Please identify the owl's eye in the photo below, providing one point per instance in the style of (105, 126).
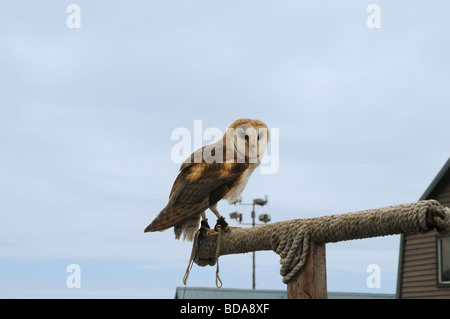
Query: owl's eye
(259, 136)
(244, 136)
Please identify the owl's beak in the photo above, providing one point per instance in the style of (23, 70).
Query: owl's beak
(253, 151)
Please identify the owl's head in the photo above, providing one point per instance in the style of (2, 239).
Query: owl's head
(248, 138)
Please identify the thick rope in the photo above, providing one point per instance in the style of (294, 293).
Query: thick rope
(291, 239)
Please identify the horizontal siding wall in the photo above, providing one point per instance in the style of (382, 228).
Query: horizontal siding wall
(418, 273)
(419, 265)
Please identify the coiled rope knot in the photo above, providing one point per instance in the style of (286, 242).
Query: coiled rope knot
(439, 218)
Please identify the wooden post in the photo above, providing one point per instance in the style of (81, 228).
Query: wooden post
(311, 282)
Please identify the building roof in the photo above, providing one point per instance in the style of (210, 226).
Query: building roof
(230, 293)
(227, 293)
(441, 179)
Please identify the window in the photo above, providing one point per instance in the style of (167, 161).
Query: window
(443, 261)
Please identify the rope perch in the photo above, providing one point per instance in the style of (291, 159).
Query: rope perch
(291, 239)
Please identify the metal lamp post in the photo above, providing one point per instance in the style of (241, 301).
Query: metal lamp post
(265, 218)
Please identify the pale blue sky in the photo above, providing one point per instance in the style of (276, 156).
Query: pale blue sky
(86, 117)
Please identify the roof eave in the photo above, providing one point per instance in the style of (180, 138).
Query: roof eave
(439, 177)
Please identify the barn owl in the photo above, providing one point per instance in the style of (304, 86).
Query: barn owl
(217, 171)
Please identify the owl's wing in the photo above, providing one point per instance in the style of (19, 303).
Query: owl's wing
(198, 186)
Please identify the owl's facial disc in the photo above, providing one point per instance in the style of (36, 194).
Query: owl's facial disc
(250, 141)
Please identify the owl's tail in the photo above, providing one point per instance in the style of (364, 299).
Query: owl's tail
(174, 215)
(152, 227)
(158, 224)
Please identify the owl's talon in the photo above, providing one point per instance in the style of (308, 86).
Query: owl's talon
(204, 223)
(204, 228)
(222, 223)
